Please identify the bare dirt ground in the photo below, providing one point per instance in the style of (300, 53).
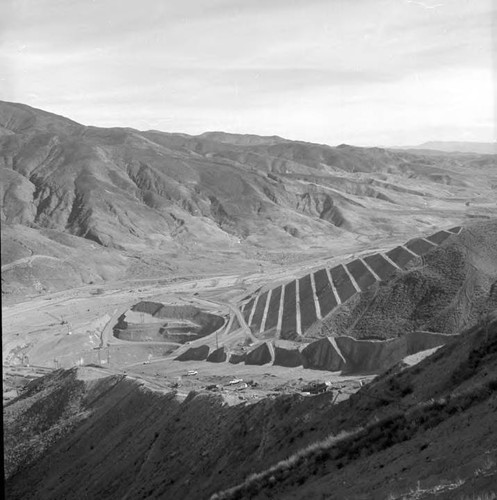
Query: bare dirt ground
(254, 382)
(74, 327)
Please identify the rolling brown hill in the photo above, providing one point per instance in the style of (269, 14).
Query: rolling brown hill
(153, 202)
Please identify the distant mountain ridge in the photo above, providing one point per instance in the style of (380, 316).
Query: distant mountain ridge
(456, 147)
(242, 139)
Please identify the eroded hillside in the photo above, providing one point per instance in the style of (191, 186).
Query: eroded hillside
(148, 202)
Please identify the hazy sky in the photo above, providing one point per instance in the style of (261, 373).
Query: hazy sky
(365, 72)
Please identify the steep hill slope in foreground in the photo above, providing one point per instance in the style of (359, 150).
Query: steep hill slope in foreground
(429, 428)
(85, 204)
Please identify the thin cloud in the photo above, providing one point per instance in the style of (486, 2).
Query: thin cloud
(313, 69)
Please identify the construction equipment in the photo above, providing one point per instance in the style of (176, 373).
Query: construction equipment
(62, 322)
(61, 319)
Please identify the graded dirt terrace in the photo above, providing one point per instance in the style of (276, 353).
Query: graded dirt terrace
(288, 311)
(85, 325)
(63, 329)
(70, 328)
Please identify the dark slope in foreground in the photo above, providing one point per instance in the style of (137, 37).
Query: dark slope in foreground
(131, 193)
(424, 432)
(75, 435)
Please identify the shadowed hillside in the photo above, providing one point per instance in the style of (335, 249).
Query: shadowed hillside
(399, 438)
(396, 432)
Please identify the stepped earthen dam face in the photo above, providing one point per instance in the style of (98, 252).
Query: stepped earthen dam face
(237, 316)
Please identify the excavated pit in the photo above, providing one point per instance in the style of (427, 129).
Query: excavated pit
(156, 322)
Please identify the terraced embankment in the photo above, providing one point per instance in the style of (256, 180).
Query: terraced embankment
(340, 319)
(289, 311)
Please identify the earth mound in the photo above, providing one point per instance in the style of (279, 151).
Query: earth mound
(218, 355)
(195, 354)
(323, 355)
(261, 355)
(287, 355)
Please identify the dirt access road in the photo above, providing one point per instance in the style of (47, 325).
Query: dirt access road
(72, 327)
(63, 325)
(63, 329)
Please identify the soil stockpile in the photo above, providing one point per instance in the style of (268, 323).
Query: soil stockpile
(323, 355)
(195, 354)
(261, 355)
(287, 356)
(238, 357)
(218, 355)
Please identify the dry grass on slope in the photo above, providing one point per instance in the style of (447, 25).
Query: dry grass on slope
(470, 383)
(347, 447)
(445, 291)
